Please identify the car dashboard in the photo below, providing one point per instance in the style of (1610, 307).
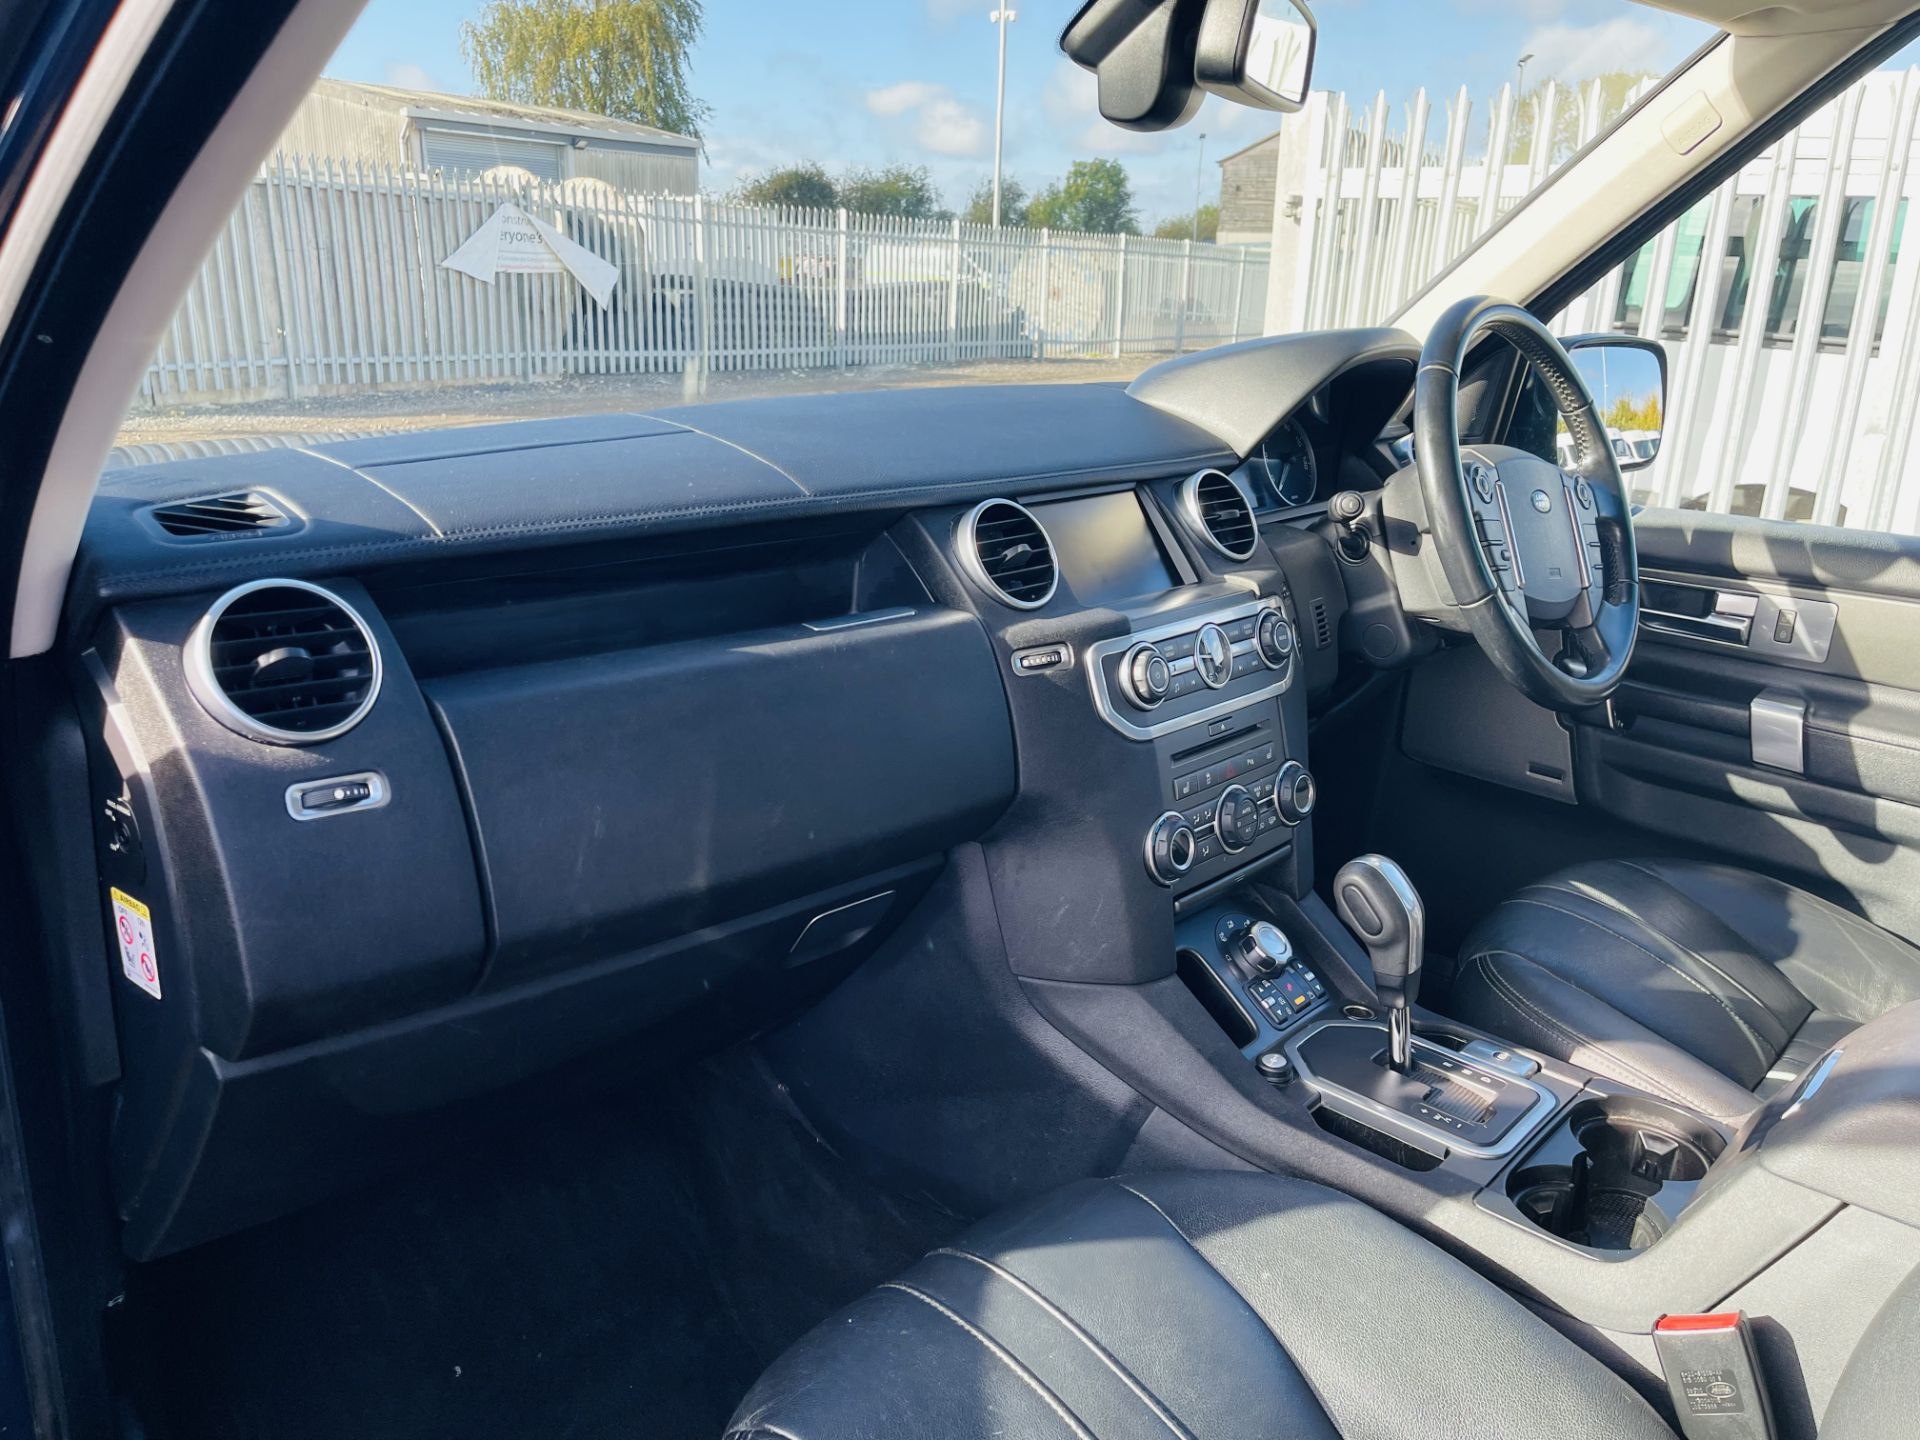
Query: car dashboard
(428, 764)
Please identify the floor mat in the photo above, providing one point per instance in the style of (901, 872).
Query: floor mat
(626, 1268)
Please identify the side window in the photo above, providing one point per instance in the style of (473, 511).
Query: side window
(1788, 300)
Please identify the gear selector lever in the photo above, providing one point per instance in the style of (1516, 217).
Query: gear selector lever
(1381, 907)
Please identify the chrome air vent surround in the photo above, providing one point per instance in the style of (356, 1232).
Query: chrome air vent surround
(283, 662)
(1219, 512)
(1006, 551)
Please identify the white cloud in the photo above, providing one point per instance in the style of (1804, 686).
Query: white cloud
(942, 123)
(409, 76)
(891, 100)
(1580, 52)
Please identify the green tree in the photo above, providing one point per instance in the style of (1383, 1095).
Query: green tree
(1095, 196)
(1180, 227)
(1630, 412)
(623, 58)
(903, 191)
(1013, 203)
(1567, 106)
(807, 185)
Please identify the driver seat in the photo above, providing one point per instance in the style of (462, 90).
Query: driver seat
(1703, 984)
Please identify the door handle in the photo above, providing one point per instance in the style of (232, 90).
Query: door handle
(1722, 616)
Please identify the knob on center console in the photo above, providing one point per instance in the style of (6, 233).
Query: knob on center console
(1169, 847)
(1261, 949)
(1145, 677)
(1236, 817)
(1273, 639)
(1294, 792)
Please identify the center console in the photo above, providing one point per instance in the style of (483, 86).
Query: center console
(1203, 690)
(1571, 1156)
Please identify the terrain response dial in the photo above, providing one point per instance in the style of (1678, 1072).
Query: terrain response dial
(1145, 677)
(1261, 949)
(1236, 819)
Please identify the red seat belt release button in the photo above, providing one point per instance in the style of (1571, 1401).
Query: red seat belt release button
(1713, 1376)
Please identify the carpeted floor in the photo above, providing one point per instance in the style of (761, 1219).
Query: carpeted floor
(626, 1268)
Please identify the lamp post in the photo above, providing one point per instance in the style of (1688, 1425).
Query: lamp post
(1520, 76)
(1199, 175)
(1002, 17)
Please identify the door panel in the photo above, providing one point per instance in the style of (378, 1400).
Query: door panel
(1744, 729)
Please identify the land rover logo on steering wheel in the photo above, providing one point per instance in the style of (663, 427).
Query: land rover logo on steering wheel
(1542, 501)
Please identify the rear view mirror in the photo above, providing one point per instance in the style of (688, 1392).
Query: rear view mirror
(1142, 51)
(1257, 52)
(1156, 59)
(1627, 378)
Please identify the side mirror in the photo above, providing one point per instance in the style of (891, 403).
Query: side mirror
(1627, 378)
(1257, 52)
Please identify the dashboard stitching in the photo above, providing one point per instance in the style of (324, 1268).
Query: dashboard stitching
(847, 500)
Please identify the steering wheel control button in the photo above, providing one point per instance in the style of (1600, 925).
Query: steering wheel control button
(1294, 793)
(1213, 656)
(1482, 477)
(1236, 819)
(1583, 494)
(1146, 676)
(1170, 847)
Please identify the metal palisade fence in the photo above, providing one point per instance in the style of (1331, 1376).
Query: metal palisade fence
(1787, 301)
(329, 279)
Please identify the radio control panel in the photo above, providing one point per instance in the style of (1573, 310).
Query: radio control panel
(1157, 681)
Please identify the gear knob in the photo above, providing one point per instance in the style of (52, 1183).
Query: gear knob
(1380, 906)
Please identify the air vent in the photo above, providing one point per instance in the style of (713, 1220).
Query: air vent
(284, 662)
(1218, 510)
(1006, 551)
(1322, 626)
(244, 512)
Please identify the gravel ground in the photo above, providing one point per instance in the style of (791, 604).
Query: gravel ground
(477, 404)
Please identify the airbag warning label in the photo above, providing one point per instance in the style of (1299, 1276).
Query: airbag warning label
(133, 928)
(1711, 1392)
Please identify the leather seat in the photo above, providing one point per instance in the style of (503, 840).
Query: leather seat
(1210, 1306)
(1704, 984)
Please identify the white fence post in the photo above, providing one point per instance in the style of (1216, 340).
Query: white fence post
(840, 289)
(953, 296)
(1120, 303)
(1046, 294)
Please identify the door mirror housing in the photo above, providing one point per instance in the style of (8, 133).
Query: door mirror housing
(1627, 377)
(1257, 52)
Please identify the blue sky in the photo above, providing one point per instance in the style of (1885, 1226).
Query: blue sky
(867, 82)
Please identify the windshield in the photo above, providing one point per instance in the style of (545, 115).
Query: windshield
(524, 208)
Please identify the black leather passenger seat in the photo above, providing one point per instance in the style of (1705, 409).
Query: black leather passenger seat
(1200, 1306)
(1703, 984)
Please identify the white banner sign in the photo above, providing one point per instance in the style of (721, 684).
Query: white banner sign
(514, 242)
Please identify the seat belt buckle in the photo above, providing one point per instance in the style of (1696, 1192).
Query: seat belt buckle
(1713, 1376)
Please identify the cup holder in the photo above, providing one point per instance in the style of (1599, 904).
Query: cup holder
(1615, 1173)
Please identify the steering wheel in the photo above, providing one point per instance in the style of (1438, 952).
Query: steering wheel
(1531, 551)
